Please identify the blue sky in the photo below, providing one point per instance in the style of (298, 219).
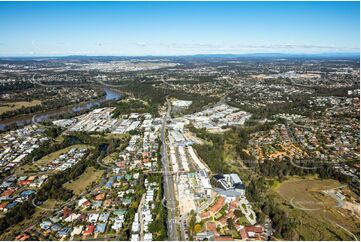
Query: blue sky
(177, 28)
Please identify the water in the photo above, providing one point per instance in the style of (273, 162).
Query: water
(53, 114)
(74, 140)
(103, 147)
(111, 94)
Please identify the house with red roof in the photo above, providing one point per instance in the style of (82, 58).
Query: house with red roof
(100, 196)
(223, 238)
(22, 237)
(251, 232)
(86, 204)
(107, 203)
(211, 226)
(216, 207)
(24, 182)
(89, 230)
(3, 205)
(8, 192)
(66, 212)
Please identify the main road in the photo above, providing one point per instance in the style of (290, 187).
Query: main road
(168, 183)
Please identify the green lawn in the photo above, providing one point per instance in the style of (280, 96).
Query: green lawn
(84, 180)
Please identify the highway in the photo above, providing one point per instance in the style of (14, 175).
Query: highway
(169, 195)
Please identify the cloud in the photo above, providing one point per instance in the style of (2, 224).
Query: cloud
(141, 44)
(170, 48)
(199, 48)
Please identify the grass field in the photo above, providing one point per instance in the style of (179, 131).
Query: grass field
(116, 136)
(307, 192)
(33, 167)
(317, 215)
(49, 204)
(84, 180)
(111, 136)
(110, 159)
(59, 139)
(12, 106)
(275, 184)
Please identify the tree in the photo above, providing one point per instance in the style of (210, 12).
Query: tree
(230, 224)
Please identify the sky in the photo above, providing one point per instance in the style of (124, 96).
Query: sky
(177, 28)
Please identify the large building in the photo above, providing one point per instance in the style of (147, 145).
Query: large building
(231, 182)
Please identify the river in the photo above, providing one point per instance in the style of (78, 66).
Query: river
(53, 114)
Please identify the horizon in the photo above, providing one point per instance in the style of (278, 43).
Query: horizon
(177, 28)
(260, 54)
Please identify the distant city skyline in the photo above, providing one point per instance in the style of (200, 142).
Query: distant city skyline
(177, 28)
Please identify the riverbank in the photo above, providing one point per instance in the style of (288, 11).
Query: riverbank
(20, 121)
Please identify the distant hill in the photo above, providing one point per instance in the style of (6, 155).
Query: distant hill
(348, 55)
(282, 55)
